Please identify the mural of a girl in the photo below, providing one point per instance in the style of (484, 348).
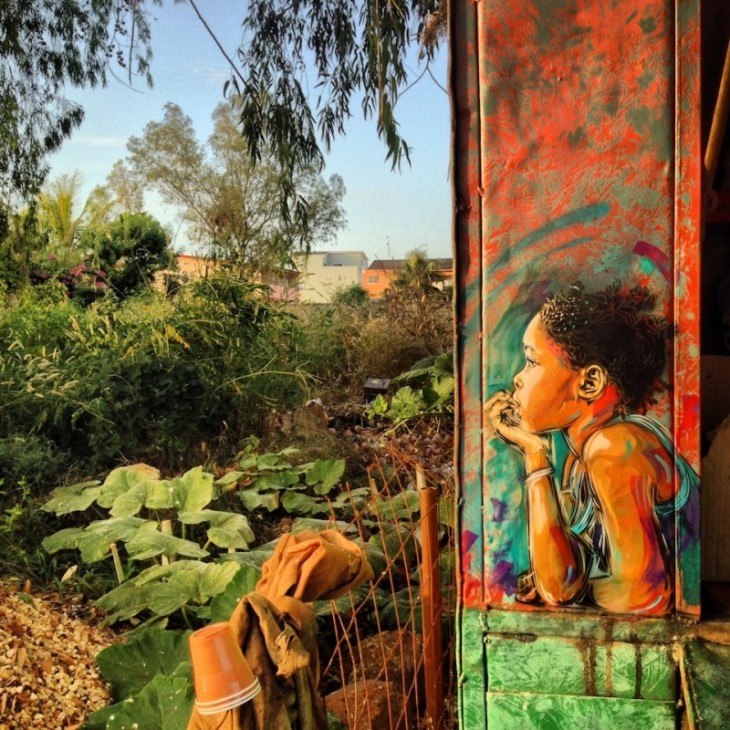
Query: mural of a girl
(601, 532)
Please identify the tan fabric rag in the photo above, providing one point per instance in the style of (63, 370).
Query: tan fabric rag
(276, 630)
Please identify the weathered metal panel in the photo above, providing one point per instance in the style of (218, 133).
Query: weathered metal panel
(706, 667)
(557, 712)
(581, 667)
(584, 172)
(576, 158)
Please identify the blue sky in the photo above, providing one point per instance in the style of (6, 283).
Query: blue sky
(388, 213)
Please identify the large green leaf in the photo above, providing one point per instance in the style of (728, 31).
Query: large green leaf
(125, 601)
(66, 539)
(129, 503)
(296, 503)
(244, 582)
(252, 500)
(149, 543)
(94, 541)
(129, 666)
(272, 462)
(402, 506)
(170, 595)
(396, 542)
(75, 498)
(123, 479)
(230, 478)
(212, 578)
(188, 493)
(324, 474)
(253, 558)
(310, 523)
(165, 703)
(227, 529)
(275, 480)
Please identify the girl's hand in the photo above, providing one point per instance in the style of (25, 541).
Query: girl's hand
(504, 414)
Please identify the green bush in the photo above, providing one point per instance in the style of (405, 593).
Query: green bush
(149, 379)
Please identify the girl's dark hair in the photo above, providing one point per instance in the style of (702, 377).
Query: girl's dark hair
(615, 329)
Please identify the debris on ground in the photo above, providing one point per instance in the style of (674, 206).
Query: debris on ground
(48, 646)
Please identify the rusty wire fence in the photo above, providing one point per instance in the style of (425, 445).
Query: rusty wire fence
(387, 649)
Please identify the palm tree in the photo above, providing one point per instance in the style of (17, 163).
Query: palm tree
(57, 206)
(419, 274)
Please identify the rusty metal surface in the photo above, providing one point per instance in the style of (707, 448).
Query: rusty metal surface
(576, 157)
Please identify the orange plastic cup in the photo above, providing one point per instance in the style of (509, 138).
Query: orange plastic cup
(223, 677)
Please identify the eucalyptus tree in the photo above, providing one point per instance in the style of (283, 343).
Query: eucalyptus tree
(232, 205)
(48, 48)
(300, 69)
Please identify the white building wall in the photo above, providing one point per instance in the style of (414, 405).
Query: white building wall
(323, 273)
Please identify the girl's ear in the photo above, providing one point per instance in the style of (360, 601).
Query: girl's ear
(594, 380)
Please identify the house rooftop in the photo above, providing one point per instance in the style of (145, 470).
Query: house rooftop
(397, 264)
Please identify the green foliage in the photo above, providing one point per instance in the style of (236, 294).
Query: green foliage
(358, 50)
(151, 683)
(146, 512)
(351, 296)
(434, 397)
(130, 251)
(233, 205)
(150, 379)
(47, 48)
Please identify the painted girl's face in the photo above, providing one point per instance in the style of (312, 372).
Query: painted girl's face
(546, 389)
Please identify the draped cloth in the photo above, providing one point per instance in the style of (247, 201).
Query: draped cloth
(275, 627)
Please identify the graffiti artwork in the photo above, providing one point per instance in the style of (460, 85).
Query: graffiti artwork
(600, 520)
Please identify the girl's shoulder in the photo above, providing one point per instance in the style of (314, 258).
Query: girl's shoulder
(626, 438)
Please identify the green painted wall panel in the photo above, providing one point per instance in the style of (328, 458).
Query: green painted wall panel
(560, 712)
(580, 667)
(707, 667)
(472, 672)
(584, 625)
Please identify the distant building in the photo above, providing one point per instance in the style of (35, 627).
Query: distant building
(283, 282)
(322, 273)
(381, 274)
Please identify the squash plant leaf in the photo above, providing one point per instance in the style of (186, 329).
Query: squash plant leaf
(128, 667)
(75, 498)
(251, 500)
(243, 583)
(149, 543)
(227, 529)
(123, 479)
(296, 503)
(165, 703)
(324, 474)
(230, 478)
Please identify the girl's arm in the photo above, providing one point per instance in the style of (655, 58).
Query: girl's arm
(555, 555)
(627, 468)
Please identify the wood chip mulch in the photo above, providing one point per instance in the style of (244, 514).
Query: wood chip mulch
(48, 675)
